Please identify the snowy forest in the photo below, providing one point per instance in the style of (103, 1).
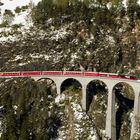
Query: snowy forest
(65, 35)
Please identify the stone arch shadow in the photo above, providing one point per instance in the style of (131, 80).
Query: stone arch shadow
(92, 88)
(96, 98)
(124, 106)
(52, 86)
(70, 82)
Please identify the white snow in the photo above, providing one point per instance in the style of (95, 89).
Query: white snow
(23, 18)
(92, 137)
(58, 34)
(37, 55)
(18, 57)
(60, 98)
(74, 55)
(22, 64)
(15, 108)
(110, 39)
(34, 56)
(1, 107)
(109, 5)
(12, 4)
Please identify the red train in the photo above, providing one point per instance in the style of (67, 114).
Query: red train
(110, 75)
(65, 73)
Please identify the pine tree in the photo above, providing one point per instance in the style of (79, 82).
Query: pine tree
(61, 3)
(25, 130)
(10, 121)
(8, 17)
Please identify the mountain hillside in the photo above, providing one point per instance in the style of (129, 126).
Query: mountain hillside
(64, 40)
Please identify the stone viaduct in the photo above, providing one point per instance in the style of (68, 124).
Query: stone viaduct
(84, 78)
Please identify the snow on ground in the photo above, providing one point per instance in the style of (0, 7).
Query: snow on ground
(33, 56)
(37, 55)
(12, 4)
(21, 18)
(125, 2)
(81, 123)
(81, 117)
(60, 98)
(60, 33)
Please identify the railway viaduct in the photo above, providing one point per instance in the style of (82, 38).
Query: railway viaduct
(84, 78)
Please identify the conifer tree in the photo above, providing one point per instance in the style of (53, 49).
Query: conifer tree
(24, 131)
(8, 17)
(10, 121)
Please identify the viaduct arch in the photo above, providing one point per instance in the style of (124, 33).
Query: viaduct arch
(70, 82)
(93, 88)
(110, 84)
(96, 99)
(84, 78)
(124, 102)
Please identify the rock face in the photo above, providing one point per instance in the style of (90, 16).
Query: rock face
(76, 123)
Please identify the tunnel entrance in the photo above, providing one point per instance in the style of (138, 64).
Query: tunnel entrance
(124, 103)
(96, 102)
